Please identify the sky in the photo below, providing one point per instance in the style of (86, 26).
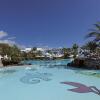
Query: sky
(52, 23)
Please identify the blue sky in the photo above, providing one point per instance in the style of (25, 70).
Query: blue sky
(53, 23)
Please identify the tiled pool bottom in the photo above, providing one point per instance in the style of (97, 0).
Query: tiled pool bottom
(38, 83)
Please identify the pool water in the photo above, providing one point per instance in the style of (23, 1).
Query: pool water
(48, 80)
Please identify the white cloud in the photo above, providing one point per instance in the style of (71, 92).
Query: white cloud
(8, 42)
(11, 43)
(11, 38)
(21, 46)
(3, 34)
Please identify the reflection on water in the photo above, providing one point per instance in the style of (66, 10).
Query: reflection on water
(32, 69)
(57, 66)
(8, 71)
(89, 73)
(34, 78)
(50, 63)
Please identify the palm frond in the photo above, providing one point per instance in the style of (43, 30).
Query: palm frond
(97, 38)
(92, 34)
(92, 30)
(97, 26)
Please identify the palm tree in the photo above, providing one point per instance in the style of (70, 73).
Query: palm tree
(91, 45)
(66, 52)
(95, 33)
(15, 53)
(75, 50)
(34, 49)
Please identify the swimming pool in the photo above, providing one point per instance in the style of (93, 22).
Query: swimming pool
(48, 80)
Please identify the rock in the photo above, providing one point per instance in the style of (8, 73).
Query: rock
(1, 65)
(85, 63)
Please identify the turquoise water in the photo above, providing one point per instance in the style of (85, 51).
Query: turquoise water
(43, 81)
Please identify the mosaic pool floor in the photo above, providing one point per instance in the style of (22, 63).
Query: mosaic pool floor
(48, 83)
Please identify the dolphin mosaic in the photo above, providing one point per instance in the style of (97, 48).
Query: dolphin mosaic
(81, 88)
